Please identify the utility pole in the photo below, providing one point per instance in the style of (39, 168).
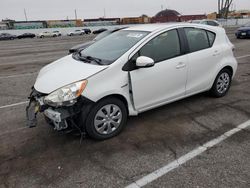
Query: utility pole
(75, 15)
(104, 13)
(25, 15)
(219, 8)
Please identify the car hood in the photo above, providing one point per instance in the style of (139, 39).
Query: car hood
(64, 72)
(244, 28)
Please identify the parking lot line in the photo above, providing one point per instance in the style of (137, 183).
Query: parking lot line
(185, 158)
(244, 56)
(15, 104)
(18, 75)
(13, 131)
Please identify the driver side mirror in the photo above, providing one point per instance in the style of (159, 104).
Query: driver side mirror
(144, 62)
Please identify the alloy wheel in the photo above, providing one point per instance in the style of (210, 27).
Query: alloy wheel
(108, 119)
(223, 83)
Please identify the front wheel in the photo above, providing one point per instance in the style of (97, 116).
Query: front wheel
(106, 119)
(222, 83)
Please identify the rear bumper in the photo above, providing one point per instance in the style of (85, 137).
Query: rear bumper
(60, 118)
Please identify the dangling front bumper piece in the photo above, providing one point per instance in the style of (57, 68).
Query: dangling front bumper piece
(60, 118)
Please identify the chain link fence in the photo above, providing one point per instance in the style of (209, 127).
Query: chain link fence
(234, 22)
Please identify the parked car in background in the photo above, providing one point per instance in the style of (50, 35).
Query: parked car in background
(86, 31)
(7, 36)
(129, 72)
(207, 22)
(49, 34)
(26, 35)
(98, 37)
(57, 33)
(98, 31)
(76, 32)
(243, 32)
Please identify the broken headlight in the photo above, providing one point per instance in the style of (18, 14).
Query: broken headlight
(66, 95)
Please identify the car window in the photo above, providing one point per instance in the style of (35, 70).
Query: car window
(197, 39)
(211, 37)
(162, 47)
(196, 21)
(212, 23)
(247, 25)
(204, 22)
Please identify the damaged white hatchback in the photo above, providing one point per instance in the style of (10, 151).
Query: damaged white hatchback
(129, 72)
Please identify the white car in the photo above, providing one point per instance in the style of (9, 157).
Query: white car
(49, 34)
(76, 32)
(129, 72)
(207, 22)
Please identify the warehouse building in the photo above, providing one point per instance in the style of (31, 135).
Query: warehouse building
(64, 23)
(29, 25)
(136, 20)
(101, 22)
(3, 26)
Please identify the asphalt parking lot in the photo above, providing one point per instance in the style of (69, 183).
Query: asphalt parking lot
(40, 157)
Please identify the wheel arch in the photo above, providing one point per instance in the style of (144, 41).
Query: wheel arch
(228, 67)
(118, 96)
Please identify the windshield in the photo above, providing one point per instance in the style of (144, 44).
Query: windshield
(102, 35)
(113, 46)
(247, 25)
(196, 21)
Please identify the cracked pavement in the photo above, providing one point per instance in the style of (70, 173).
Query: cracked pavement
(40, 157)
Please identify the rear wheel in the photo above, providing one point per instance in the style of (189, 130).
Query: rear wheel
(106, 119)
(222, 83)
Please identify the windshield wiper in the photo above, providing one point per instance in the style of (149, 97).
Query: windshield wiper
(97, 60)
(83, 58)
(88, 59)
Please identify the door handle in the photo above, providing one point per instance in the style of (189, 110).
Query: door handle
(180, 65)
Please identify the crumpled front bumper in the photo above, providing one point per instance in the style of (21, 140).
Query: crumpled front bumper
(60, 117)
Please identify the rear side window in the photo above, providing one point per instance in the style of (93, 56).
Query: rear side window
(211, 37)
(199, 39)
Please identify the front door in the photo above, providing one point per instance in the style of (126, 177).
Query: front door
(166, 80)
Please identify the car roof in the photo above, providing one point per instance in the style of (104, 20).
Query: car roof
(159, 27)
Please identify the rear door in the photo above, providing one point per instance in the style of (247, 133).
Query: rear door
(202, 59)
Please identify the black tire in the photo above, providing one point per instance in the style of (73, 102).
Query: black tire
(214, 91)
(90, 127)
